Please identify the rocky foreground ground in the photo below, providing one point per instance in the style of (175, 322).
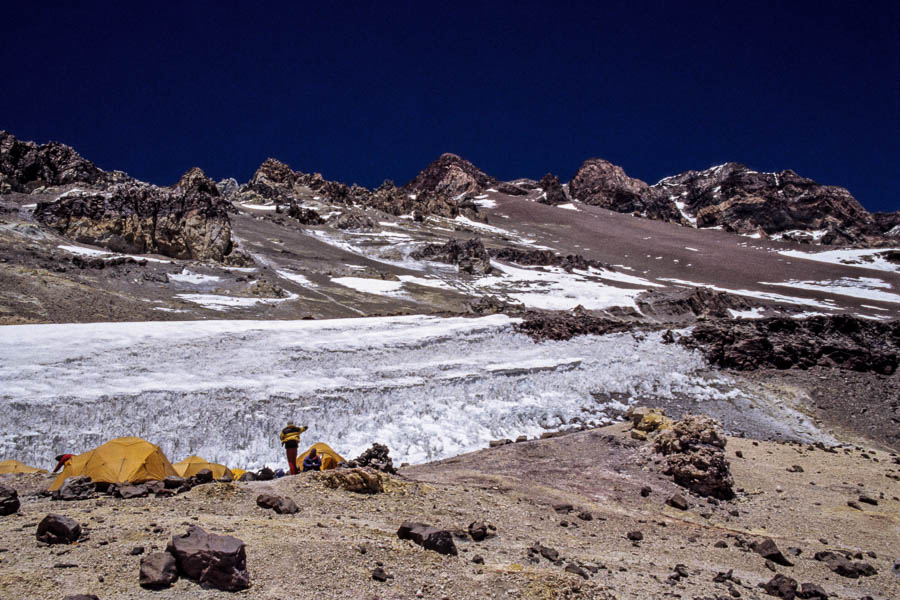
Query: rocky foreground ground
(585, 515)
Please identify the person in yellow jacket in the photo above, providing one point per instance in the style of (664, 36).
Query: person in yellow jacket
(290, 439)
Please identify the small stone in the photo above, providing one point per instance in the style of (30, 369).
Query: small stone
(768, 550)
(635, 536)
(573, 568)
(585, 516)
(280, 504)
(854, 505)
(645, 491)
(478, 560)
(137, 551)
(158, 570)
(58, 529)
(478, 530)
(720, 544)
(811, 591)
(563, 507)
(868, 500)
(81, 597)
(379, 574)
(781, 587)
(739, 454)
(795, 469)
(677, 501)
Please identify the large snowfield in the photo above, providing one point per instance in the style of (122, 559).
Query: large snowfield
(427, 387)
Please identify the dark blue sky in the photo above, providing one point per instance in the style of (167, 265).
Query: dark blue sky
(366, 91)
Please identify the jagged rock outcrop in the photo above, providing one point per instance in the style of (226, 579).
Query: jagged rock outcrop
(745, 201)
(353, 221)
(471, 256)
(686, 304)
(553, 192)
(695, 456)
(887, 224)
(399, 201)
(25, 166)
(541, 326)
(188, 221)
(841, 341)
(547, 258)
(455, 176)
(305, 216)
(600, 183)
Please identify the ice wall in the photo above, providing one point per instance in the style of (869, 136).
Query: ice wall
(427, 387)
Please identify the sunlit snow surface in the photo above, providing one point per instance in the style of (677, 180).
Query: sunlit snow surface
(427, 387)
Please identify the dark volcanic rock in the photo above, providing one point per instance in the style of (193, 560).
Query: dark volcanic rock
(126, 492)
(811, 591)
(678, 501)
(769, 551)
(214, 561)
(478, 530)
(180, 222)
(547, 258)
(470, 256)
(158, 570)
(428, 537)
(58, 529)
(305, 216)
(81, 597)
(25, 166)
(781, 586)
(9, 501)
(844, 567)
(353, 221)
(739, 199)
(887, 224)
(695, 456)
(553, 192)
(280, 504)
(565, 326)
(841, 341)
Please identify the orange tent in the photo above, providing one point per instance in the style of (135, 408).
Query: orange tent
(125, 459)
(14, 466)
(330, 458)
(194, 464)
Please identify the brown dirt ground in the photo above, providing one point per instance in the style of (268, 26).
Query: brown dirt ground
(314, 554)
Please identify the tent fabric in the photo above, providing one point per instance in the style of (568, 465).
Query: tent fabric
(237, 473)
(194, 464)
(125, 459)
(330, 458)
(14, 466)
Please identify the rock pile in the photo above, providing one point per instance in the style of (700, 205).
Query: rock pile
(358, 480)
(470, 256)
(547, 258)
(375, 457)
(842, 341)
(687, 304)
(695, 456)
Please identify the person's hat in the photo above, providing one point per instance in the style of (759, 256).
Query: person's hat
(59, 457)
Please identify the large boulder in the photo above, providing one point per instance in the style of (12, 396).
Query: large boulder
(158, 570)
(695, 456)
(280, 504)
(428, 537)
(58, 529)
(188, 221)
(9, 501)
(214, 561)
(359, 480)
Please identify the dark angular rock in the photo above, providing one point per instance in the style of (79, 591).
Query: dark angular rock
(546, 258)
(695, 456)
(58, 529)
(677, 501)
(280, 504)
(265, 474)
(811, 591)
(563, 508)
(573, 568)
(9, 500)
(845, 567)
(645, 491)
(75, 488)
(379, 575)
(553, 192)
(769, 551)
(478, 530)
(539, 549)
(585, 516)
(868, 500)
(635, 536)
(158, 570)
(376, 457)
(173, 482)
(781, 586)
(478, 559)
(127, 492)
(203, 476)
(137, 551)
(428, 537)
(81, 597)
(214, 561)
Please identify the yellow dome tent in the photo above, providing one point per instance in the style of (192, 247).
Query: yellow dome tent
(194, 464)
(125, 459)
(237, 473)
(330, 458)
(14, 466)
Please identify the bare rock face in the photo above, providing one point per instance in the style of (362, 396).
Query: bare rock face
(214, 561)
(400, 201)
(745, 201)
(454, 176)
(686, 304)
(471, 256)
(887, 223)
(841, 341)
(360, 480)
(553, 193)
(25, 166)
(188, 221)
(600, 183)
(695, 456)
